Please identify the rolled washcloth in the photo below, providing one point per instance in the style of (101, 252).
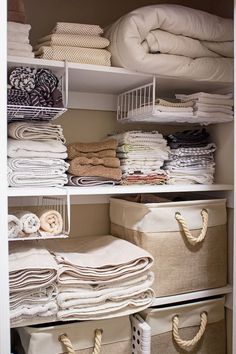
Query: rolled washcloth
(74, 149)
(14, 226)
(30, 222)
(51, 221)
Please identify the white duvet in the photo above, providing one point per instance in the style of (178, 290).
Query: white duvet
(174, 40)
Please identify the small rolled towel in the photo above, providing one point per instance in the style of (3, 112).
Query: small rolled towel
(51, 221)
(95, 161)
(14, 226)
(96, 171)
(74, 149)
(23, 78)
(45, 77)
(30, 222)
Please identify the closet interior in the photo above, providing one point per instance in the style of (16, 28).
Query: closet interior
(92, 95)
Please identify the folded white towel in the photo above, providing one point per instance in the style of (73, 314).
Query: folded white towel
(30, 222)
(20, 53)
(14, 226)
(19, 37)
(18, 27)
(31, 311)
(42, 166)
(43, 178)
(19, 46)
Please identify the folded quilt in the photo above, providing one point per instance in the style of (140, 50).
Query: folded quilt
(16, 16)
(20, 53)
(73, 40)
(75, 54)
(90, 181)
(173, 40)
(44, 178)
(19, 46)
(75, 149)
(20, 37)
(95, 161)
(18, 27)
(95, 171)
(31, 148)
(77, 28)
(14, 226)
(35, 131)
(51, 221)
(30, 222)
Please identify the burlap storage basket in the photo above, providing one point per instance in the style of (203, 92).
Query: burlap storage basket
(188, 241)
(104, 336)
(196, 328)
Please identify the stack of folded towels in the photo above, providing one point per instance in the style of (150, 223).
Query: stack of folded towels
(210, 106)
(101, 277)
(75, 42)
(46, 223)
(33, 87)
(93, 164)
(142, 155)
(36, 155)
(18, 30)
(32, 278)
(191, 158)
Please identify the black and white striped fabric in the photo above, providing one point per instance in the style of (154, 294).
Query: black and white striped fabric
(45, 77)
(23, 78)
(18, 97)
(41, 96)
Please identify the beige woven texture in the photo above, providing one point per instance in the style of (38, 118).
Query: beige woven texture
(113, 348)
(74, 40)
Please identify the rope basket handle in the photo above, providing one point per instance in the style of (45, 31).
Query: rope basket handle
(191, 239)
(187, 344)
(65, 340)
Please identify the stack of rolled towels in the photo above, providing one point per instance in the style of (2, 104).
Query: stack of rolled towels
(75, 42)
(142, 155)
(36, 155)
(94, 163)
(33, 87)
(191, 157)
(32, 280)
(24, 223)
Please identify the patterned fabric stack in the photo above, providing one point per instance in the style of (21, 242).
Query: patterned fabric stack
(142, 156)
(33, 87)
(94, 164)
(18, 40)
(191, 158)
(75, 42)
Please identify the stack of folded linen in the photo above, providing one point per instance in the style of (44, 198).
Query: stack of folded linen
(34, 87)
(142, 155)
(191, 158)
(101, 277)
(209, 106)
(93, 164)
(80, 43)
(16, 11)
(36, 155)
(32, 278)
(18, 40)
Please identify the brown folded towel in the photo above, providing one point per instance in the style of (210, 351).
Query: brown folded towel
(16, 5)
(14, 16)
(96, 171)
(75, 148)
(95, 161)
(99, 154)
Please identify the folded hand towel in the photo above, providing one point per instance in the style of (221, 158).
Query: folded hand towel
(30, 222)
(77, 28)
(13, 36)
(16, 16)
(30, 148)
(20, 53)
(42, 178)
(95, 161)
(51, 221)
(27, 312)
(90, 181)
(47, 166)
(35, 131)
(99, 154)
(75, 149)
(14, 226)
(18, 27)
(73, 40)
(19, 46)
(95, 171)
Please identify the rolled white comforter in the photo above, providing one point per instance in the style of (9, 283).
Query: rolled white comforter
(174, 40)
(51, 221)
(14, 226)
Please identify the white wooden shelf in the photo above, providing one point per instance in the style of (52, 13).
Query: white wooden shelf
(113, 190)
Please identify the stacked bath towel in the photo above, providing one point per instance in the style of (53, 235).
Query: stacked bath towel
(16, 11)
(75, 42)
(36, 155)
(191, 158)
(142, 155)
(93, 164)
(18, 40)
(32, 278)
(101, 277)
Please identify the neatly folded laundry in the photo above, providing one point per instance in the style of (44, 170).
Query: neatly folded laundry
(95, 171)
(95, 161)
(75, 149)
(41, 178)
(73, 40)
(20, 37)
(18, 27)
(77, 28)
(90, 181)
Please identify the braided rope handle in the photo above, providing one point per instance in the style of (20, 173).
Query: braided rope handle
(186, 344)
(64, 339)
(191, 239)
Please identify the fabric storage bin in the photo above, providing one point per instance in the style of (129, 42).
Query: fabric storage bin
(81, 337)
(187, 239)
(196, 328)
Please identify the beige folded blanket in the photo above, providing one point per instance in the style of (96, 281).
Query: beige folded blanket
(73, 40)
(95, 161)
(96, 171)
(75, 54)
(77, 28)
(14, 226)
(75, 149)
(30, 222)
(51, 221)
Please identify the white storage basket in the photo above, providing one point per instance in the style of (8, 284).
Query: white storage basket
(188, 241)
(196, 328)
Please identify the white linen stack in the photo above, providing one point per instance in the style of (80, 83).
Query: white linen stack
(18, 40)
(36, 155)
(101, 277)
(142, 155)
(32, 278)
(210, 106)
(76, 42)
